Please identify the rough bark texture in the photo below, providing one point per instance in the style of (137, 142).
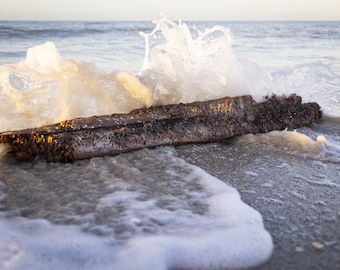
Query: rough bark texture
(161, 125)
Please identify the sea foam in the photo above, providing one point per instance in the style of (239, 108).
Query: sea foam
(182, 67)
(181, 64)
(192, 65)
(225, 234)
(320, 147)
(45, 88)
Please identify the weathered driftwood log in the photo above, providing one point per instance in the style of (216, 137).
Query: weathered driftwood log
(161, 125)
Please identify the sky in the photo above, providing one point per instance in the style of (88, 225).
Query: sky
(149, 10)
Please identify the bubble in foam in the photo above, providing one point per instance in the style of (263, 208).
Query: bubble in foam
(321, 139)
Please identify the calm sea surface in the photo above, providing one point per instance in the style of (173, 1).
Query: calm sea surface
(118, 46)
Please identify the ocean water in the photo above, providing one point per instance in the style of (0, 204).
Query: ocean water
(155, 205)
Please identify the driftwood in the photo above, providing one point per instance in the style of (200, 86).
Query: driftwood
(160, 125)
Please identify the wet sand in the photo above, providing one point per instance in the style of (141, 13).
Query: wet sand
(297, 195)
(298, 198)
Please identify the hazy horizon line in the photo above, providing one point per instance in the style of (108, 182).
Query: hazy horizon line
(179, 19)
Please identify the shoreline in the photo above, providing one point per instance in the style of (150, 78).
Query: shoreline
(299, 210)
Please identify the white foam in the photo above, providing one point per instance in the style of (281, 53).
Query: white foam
(288, 139)
(45, 89)
(315, 82)
(322, 147)
(184, 68)
(37, 244)
(213, 250)
(227, 235)
(44, 57)
(238, 229)
(182, 65)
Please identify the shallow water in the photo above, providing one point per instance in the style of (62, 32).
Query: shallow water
(153, 204)
(296, 193)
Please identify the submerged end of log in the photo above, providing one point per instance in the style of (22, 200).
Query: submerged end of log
(176, 124)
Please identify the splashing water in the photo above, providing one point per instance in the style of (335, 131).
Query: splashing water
(45, 88)
(186, 69)
(182, 65)
(186, 66)
(315, 82)
(156, 191)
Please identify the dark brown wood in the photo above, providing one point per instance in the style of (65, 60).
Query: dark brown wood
(176, 124)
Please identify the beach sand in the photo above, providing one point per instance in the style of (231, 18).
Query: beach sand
(298, 198)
